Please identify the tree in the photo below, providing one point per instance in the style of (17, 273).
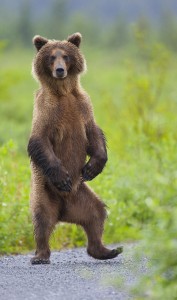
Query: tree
(24, 23)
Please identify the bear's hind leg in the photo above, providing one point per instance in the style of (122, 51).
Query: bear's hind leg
(42, 231)
(87, 210)
(45, 217)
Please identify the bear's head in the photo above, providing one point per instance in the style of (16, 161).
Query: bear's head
(58, 60)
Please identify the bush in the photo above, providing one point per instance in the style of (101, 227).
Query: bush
(160, 245)
(16, 228)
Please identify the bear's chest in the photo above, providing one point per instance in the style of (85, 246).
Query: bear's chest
(69, 120)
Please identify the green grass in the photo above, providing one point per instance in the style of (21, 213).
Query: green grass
(134, 97)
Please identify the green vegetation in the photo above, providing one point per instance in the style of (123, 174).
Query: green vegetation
(134, 95)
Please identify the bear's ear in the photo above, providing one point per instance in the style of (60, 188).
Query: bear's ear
(75, 39)
(39, 42)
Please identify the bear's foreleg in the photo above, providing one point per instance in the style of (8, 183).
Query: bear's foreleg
(41, 153)
(97, 152)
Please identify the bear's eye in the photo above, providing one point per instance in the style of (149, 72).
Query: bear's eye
(52, 58)
(66, 58)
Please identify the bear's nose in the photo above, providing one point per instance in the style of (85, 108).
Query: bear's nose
(60, 71)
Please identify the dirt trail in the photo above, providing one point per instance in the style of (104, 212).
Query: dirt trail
(72, 275)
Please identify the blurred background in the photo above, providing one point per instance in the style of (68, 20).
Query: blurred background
(130, 47)
(101, 22)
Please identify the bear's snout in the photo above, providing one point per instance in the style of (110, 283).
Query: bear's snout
(60, 72)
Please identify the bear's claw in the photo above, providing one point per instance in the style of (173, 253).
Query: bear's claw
(111, 254)
(40, 261)
(87, 173)
(65, 186)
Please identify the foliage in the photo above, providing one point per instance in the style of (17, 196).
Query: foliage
(135, 103)
(160, 237)
(160, 246)
(111, 23)
(15, 232)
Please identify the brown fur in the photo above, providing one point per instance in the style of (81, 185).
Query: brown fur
(63, 133)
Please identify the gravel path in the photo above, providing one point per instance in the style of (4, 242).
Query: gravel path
(72, 275)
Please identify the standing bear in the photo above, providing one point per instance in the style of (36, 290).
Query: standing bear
(63, 133)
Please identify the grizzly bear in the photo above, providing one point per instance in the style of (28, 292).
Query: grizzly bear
(64, 132)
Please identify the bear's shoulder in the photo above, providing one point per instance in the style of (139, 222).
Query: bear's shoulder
(85, 106)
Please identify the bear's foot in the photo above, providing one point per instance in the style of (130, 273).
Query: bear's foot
(105, 253)
(37, 260)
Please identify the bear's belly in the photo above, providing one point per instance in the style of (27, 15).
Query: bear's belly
(71, 149)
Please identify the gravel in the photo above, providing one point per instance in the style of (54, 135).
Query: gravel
(72, 275)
